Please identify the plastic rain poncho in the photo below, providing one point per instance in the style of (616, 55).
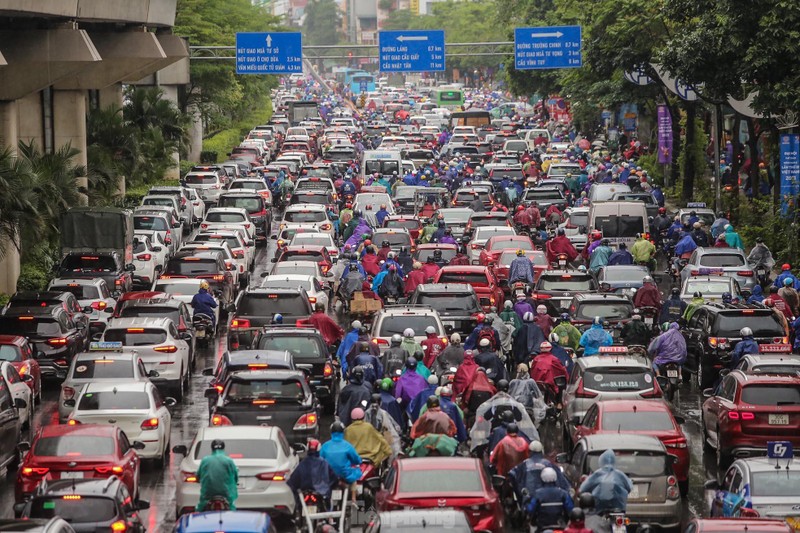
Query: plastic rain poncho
(609, 486)
(525, 390)
(483, 426)
(669, 347)
(218, 476)
(595, 337)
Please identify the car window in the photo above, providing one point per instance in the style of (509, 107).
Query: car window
(12, 375)
(124, 443)
(83, 509)
(465, 302)
(103, 400)
(606, 310)
(94, 263)
(392, 324)
(618, 379)
(225, 217)
(433, 481)
(73, 446)
(722, 260)
(304, 216)
(301, 347)
(634, 463)
(267, 304)
(591, 417)
(728, 389)
(103, 368)
(9, 353)
(578, 456)
(566, 282)
(778, 394)
(787, 484)
(30, 326)
(136, 336)
(763, 325)
(241, 449)
(736, 483)
(81, 292)
(637, 421)
(264, 389)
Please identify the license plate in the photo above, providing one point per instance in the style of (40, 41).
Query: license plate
(761, 271)
(336, 495)
(200, 333)
(779, 420)
(672, 373)
(639, 491)
(648, 320)
(71, 475)
(312, 509)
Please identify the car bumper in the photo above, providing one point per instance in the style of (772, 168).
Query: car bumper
(153, 441)
(463, 324)
(666, 515)
(52, 370)
(276, 497)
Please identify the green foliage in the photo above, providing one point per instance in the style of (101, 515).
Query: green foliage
(322, 23)
(133, 196)
(399, 19)
(697, 151)
(757, 218)
(654, 169)
(222, 142)
(4, 298)
(32, 278)
(36, 269)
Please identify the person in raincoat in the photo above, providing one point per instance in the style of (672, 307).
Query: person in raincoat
(465, 373)
(342, 457)
(643, 251)
(451, 357)
(389, 402)
(786, 272)
(718, 226)
(546, 367)
(489, 410)
(543, 320)
(568, 334)
(683, 249)
(525, 390)
(313, 473)
(757, 296)
(559, 351)
(204, 303)
(745, 346)
(432, 346)
(218, 476)
(415, 277)
(355, 394)
(648, 295)
(409, 344)
(600, 256)
(521, 269)
(347, 344)
(527, 340)
(527, 474)
(509, 317)
(696, 301)
(452, 410)
(522, 306)
(732, 238)
(509, 452)
(609, 486)
(673, 307)
(409, 384)
(595, 337)
(669, 347)
(550, 505)
(384, 423)
(560, 244)
(636, 332)
(621, 257)
(433, 420)
(433, 444)
(419, 401)
(368, 441)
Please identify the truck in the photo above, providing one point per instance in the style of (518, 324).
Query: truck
(301, 110)
(98, 243)
(384, 162)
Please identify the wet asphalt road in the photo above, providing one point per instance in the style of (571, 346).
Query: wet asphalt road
(158, 487)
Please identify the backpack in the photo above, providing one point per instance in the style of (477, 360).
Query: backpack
(487, 333)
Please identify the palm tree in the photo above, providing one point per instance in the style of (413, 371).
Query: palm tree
(146, 107)
(18, 202)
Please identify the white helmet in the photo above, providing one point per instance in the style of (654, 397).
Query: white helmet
(549, 475)
(746, 332)
(356, 324)
(553, 338)
(430, 329)
(535, 446)
(527, 317)
(408, 333)
(541, 309)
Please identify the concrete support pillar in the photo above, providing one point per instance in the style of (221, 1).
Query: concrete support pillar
(111, 95)
(69, 125)
(9, 269)
(31, 119)
(171, 94)
(9, 125)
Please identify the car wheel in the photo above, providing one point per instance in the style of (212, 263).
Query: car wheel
(179, 390)
(165, 457)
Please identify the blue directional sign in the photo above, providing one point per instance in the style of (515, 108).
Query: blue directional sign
(269, 53)
(779, 449)
(411, 51)
(548, 47)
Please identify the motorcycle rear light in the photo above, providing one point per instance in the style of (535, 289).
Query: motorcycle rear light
(328, 370)
(307, 421)
(57, 342)
(272, 476)
(221, 420)
(108, 469)
(312, 299)
(29, 471)
(166, 349)
(149, 424)
(72, 422)
(715, 342)
(189, 477)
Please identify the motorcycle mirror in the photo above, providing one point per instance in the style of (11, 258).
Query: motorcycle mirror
(680, 420)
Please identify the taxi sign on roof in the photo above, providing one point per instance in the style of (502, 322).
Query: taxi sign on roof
(105, 346)
(613, 349)
(775, 348)
(696, 204)
(780, 449)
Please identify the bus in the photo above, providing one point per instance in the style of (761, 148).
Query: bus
(448, 98)
(361, 82)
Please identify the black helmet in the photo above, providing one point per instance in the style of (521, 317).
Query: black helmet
(337, 427)
(437, 255)
(720, 214)
(433, 401)
(403, 249)
(411, 363)
(605, 242)
(561, 231)
(363, 346)
(353, 267)
(384, 244)
(512, 428)
(376, 397)
(507, 416)
(576, 515)
(357, 213)
(319, 306)
(675, 291)
(441, 224)
(357, 374)
(586, 500)
(217, 444)
(502, 385)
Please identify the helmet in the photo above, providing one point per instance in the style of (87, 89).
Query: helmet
(541, 309)
(576, 515)
(357, 414)
(433, 401)
(787, 282)
(527, 317)
(726, 297)
(535, 446)
(408, 333)
(384, 244)
(396, 339)
(367, 242)
(545, 347)
(204, 285)
(512, 428)
(353, 267)
(662, 210)
(564, 317)
(549, 475)
(597, 321)
(355, 324)
(697, 294)
(411, 363)
(520, 208)
(506, 416)
(605, 242)
(313, 445)
(502, 385)
(217, 444)
(746, 332)
(647, 279)
(357, 373)
(387, 384)
(553, 338)
(786, 266)
(430, 329)
(586, 500)
(484, 343)
(488, 319)
(480, 318)
(520, 252)
(675, 291)
(277, 318)
(337, 427)
(561, 231)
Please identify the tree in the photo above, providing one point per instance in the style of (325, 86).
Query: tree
(18, 201)
(322, 22)
(400, 19)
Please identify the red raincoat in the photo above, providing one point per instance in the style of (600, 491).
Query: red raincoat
(464, 375)
(370, 264)
(647, 296)
(430, 270)
(509, 452)
(560, 245)
(545, 368)
(432, 346)
(433, 421)
(414, 278)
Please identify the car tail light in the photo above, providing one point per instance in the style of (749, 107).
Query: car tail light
(61, 362)
(189, 477)
(328, 370)
(166, 349)
(672, 488)
(780, 340)
(312, 299)
(104, 470)
(247, 226)
(204, 226)
(745, 273)
(221, 420)
(240, 323)
(538, 296)
(679, 443)
(581, 392)
(747, 512)
(69, 393)
(102, 305)
(144, 257)
(31, 471)
(715, 342)
(272, 476)
(119, 525)
(307, 421)
(23, 370)
(379, 341)
(325, 227)
(238, 254)
(475, 246)
(741, 415)
(150, 423)
(57, 342)
(655, 392)
(72, 422)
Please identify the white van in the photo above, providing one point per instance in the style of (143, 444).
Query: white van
(531, 135)
(384, 162)
(619, 221)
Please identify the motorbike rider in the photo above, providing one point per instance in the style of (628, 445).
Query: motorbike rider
(510, 451)
(661, 222)
(490, 361)
(409, 384)
(595, 337)
(648, 295)
(356, 393)
(600, 256)
(673, 308)
(342, 457)
(527, 340)
(559, 351)
(392, 285)
(409, 343)
(523, 388)
(732, 238)
(560, 244)
(313, 473)
(432, 346)
(643, 252)
(380, 215)
(761, 257)
(368, 442)
(418, 402)
(451, 357)
(669, 347)
(521, 269)
(608, 485)
(621, 257)
(778, 302)
(699, 236)
(509, 317)
(369, 363)
(433, 421)
(636, 332)
(718, 226)
(550, 505)
(328, 328)
(791, 296)
(546, 367)
(389, 402)
(522, 306)
(527, 475)
(415, 277)
(745, 346)
(384, 423)
(484, 330)
(465, 373)
(203, 303)
(218, 476)
(786, 272)
(349, 340)
(543, 320)
(522, 219)
(568, 334)
(395, 355)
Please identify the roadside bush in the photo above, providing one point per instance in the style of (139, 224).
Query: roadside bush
(33, 277)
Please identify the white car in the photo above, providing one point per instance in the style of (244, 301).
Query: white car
(159, 345)
(148, 258)
(19, 389)
(314, 288)
(91, 293)
(156, 240)
(241, 275)
(221, 218)
(136, 407)
(207, 184)
(316, 239)
(264, 459)
(307, 216)
(184, 289)
(198, 206)
(236, 240)
(480, 236)
(577, 218)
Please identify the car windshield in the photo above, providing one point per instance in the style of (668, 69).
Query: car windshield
(192, 266)
(566, 282)
(637, 421)
(74, 509)
(543, 194)
(97, 263)
(394, 238)
(302, 255)
(633, 463)
(304, 216)
(73, 446)
(103, 369)
(618, 379)
(223, 217)
(423, 254)
(433, 481)
(606, 310)
(172, 313)
(249, 185)
(113, 400)
(45, 327)
(778, 394)
(620, 226)
(783, 484)
(136, 336)
(579, 219)
(168, 202)
(707, 287)
(252, 205)
(264, 389)
(465, 302)
(318, 198)
(301, 347)
(384, 167)
(392, 324)
(408, 223)
(150, 223)
(81, 292)
(763, 325)
(630, 275)
(454, 216)
(176, 289)
(10, 353)
(200, 179)
(722, 260)
(241, 449)
(232, 240)
(267, 304)
(537, 258)
(276, 282)
(476, 278)
(305, 268)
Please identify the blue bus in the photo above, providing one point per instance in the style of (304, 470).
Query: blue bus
(360, 82)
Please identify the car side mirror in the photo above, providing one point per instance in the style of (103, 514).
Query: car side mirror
(562, 458)
(24, 447)
(170, 402)
(498, 482)
(679, 420)
(180, 449)
(708, 393)
(711, 484)
(299, 447)
(88, 309)
(142, 505)
(27, 378)
(373, 483)
(186, 336)
(130, 267)
(69, 403)
(157, 248)
(176, 225)
(250, 243)
(211, 393)
(153, 374)
(19, 403)
(137, 445)
(207, 372)
(231, 308)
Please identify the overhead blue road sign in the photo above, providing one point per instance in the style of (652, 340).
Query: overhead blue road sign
(779, 449)
(548, 47)
(269, 53)
(411, 51)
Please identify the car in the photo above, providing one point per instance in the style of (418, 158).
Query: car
(464, 197)
(20, 390)
(408, 222)
(479, 238)
(577, 220)
(555, 288)
(148, 258)
(198, 206)
(486, 219)
(223, 218)
(456, 219)
(403, 198)
(169, 201)
(317, 254)
(88, 505)
(615, 309)
(650, 203)
(482, 279)
(256, 308)
(183, 290)
(208, 265)
(497, 244)
(313, 196)
(104, 362)
(207, 184)
(713, 331)
(157, 341)
(307, 216)
(706, 215)
(614, 376)
(174, 308)
(285, 236)
(265, 460)
(256, 185)
(424, 251)
(545, 197)
(184, 199)
(92, 293)
(316, 291)
(501, 264)
(561, 169)
(19, 352)
(762, 492)
(622, 279)
(459, 483)
(214, 521)
(603, 192)
(396, 319)
(650, 417)
(239, 272)
(281, 398)
(307, 268)
(244, 360)
(450, 520)
(257, 207)
(236, 241)
(107, 265)
(136, 407)
(656, 497)
(54, 336)
(82, 451)
(36, 525)
(315, 239)
(456, 303)
(46, 299)
(730, 262)
(770, 363)
(729, 525)
(744, 411)
(161, 220)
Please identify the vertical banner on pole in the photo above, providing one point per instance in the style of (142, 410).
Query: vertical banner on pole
(790, 170)
(664, 135)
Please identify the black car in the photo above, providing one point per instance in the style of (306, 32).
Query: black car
(55, 337)
(105, 265)
(545, 197)
(281, 398)
(456, 303)
(555, 288)
(53, 525)
(256, 308)
(10, 426)
(255, 205)
(208, 265)
(614, 309)
(65, 299)
(88, 505)
(714, 330)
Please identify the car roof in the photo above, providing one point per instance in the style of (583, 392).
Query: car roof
(251, 521)
(601, 296)
(762, 464)
(438, 463)
(757, 358)
(445, 287)
(638, 405)
(139, 322)
(471, 269)
(17, 340)
(608, 360)
(120, 386)
(764, 379)
(632, 441)
(241, 357)
(93, 430)
(273, 373)
(95, 487)
(77, 281)
(762, 525)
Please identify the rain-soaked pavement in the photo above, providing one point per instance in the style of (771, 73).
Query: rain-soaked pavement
(158, 487)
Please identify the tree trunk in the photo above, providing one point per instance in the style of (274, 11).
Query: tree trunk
(752, 144)
(688, 161)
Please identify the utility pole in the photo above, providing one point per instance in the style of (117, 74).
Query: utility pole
(716, 117)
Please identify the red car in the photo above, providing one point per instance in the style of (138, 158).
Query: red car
(435, 482)
(409, 222)
(643, 417)
(482, 279)
(85, 451)
(502, 264)
(19, 352)
(726, 525)
(747, 410)
(499, 243)
(317, 254)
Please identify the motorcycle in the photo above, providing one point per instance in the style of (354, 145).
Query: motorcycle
(672, 371)
(762, 275)
(363, 491)
(218, 503)
(203, 328)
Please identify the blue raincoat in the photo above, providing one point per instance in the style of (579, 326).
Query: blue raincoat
(719, 226)
(313, 473)
(782, 276)
(343, 457)
(743, 347)
(669, 347)
(685, 246)
(620, 257)
(595, 337)
(609, 486)
(599, 258)
(757, 296)
(521, 269)
(347, 343)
